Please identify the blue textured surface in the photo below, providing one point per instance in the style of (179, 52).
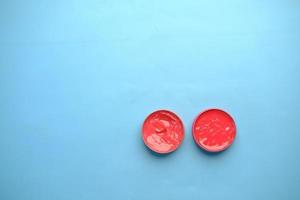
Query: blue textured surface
(77, 79)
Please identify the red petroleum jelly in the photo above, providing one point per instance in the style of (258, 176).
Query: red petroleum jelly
(163, 131)
(214, 130)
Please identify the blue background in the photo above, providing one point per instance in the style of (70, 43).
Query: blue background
(77, 79)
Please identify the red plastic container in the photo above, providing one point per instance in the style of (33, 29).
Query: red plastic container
(163, 131)
(214, 130)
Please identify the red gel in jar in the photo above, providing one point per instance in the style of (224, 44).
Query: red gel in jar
(163, 131)
(214, 130)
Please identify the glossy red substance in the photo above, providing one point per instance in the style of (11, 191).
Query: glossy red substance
(214, 130)
(163, 131)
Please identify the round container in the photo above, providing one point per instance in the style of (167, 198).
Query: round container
(163, 131)
(214, 130)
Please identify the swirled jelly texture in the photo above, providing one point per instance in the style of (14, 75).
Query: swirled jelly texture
(163, 131)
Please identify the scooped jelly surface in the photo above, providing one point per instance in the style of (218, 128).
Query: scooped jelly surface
(163, 131)
(214, 130)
